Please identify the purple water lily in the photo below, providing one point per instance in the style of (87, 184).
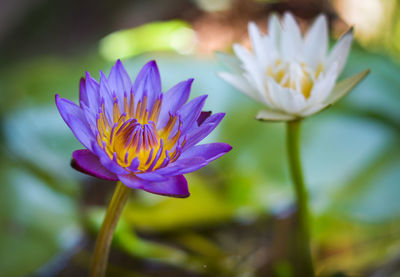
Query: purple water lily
(137, 134)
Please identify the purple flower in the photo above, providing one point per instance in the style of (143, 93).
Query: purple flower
(137, 134)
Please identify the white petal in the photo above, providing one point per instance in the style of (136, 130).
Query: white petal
(288, 100)
(272, 92)
(268, 115)
(231, 62)
(249, 63)
(291, 40)
(257, 81)
(274, 30)
(312, 110)
(316, 42)
(254, 73)
(340, 51)
(323, 86)
(243, 54)
(261, 45)
(264, 50)
(340, 90)
(240, 83)
(256, 40)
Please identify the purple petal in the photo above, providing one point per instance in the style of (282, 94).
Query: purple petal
(85, 161)
(82, 92)
(209, 152)
(89, 92)
(134, 165)
(203, 116)
(105, 160)
(182, 166)
(90, 117)
(195, 158)
(199, 133)
(106, 96)
(119, 81)
(173, 100)
(151, 176)
(191, 111)
(148, 82)
(175, 186)
(75, 119)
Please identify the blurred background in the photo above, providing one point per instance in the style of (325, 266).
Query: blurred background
(239, 219)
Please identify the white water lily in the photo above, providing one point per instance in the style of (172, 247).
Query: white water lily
(293, 75)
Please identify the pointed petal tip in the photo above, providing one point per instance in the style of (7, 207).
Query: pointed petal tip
(218, 116)
(321, 16)
(57, 100)
(222, 115)
(345, 86)
(188, 83)
(102, 75)
(288, 16)
(227, 77)
(228, 147)
(274, 16)
(363, 74)
(118, 65)
(202, 98)
(152, 63)
(349, 32)
(236, 47)
(252, 26)
(203, 116)
(321, 20)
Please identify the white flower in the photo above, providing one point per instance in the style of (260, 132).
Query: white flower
(293, 75)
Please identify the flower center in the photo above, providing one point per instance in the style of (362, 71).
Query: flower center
(294, 75)
(132, 138)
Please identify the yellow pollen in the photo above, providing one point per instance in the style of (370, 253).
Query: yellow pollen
(133, 134)
(296, 76)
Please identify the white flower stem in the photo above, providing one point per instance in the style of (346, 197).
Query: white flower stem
(302, 256)
(104, 238)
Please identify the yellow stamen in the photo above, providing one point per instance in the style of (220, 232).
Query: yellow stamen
(134, 134)
(295, 76)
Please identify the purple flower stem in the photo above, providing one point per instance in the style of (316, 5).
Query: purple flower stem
(303, 265)
(104, 238)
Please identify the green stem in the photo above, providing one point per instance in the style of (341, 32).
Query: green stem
(303, 260)
(104, 238)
